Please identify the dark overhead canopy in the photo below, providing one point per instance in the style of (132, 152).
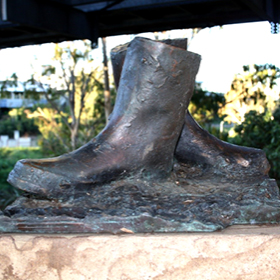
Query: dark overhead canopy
(25, 22)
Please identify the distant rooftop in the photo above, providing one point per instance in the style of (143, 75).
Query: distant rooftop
(24, 22)
(20, 87)
(14, 95)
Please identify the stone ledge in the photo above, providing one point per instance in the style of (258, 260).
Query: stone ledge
(238, 252)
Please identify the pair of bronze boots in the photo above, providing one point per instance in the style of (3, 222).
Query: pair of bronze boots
(149, 130)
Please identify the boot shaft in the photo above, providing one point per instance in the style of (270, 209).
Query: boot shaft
(118, 55)
(155, 88)
(156, 78)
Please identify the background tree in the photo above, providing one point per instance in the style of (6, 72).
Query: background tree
(251, 90)
(107, 92)
(205, 106)
(73, 85)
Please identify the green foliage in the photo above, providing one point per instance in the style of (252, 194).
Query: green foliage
(204, 107)
(72, 101)
(8, 158)
(17, 120)
(29, 88)
(258, 77)
(83, 110)
(251, 90)
(8, 83)
(253, 131)
(214, 130)
(55, 139)
(266, 75)
(262, 130)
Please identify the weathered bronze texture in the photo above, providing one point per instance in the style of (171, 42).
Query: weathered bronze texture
(152, 169)
(199, 149)
(118, 56)
(172, 205)
(155, 88)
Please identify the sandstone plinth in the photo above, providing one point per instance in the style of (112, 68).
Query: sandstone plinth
(239, 252)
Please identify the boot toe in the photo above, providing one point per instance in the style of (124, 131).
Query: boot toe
(25, 176)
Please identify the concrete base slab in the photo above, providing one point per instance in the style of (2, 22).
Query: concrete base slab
(238, 252)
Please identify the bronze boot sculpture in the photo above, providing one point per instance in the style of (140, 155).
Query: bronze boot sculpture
(156, 85)
(149, 132)
(198, 152)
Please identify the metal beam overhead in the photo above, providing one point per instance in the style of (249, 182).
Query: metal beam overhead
(37, 21)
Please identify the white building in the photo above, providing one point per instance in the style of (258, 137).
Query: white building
(13, 96)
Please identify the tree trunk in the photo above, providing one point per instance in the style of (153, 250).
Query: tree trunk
(74, 132)
(107, 94)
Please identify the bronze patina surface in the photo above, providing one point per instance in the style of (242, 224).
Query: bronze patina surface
(152, 168)
(199, 149)
(156, 85)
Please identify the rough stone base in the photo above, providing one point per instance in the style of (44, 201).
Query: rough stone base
(239, 252)
(187, 205)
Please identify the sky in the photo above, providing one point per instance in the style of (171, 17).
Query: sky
(224, 51)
